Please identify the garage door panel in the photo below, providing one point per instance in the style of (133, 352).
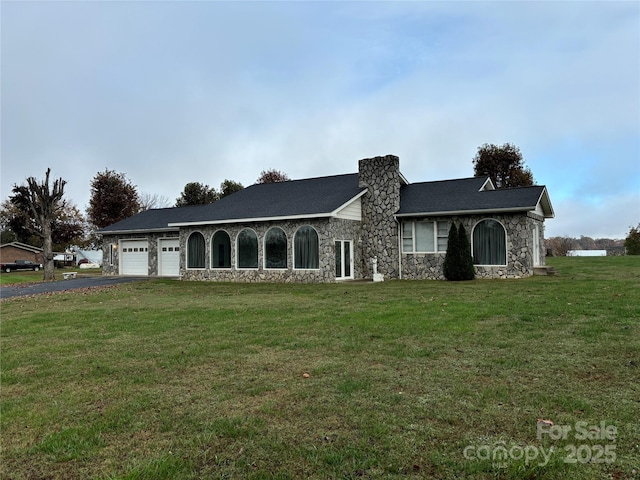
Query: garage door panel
(169, 257)
(135, 257)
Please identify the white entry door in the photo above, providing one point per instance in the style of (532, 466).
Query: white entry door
(536, 246)
(168, 257)
(344, 259)
(134, 257)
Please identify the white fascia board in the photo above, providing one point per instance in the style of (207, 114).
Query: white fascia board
(257, 219)
(545, 202)
(403, 179)
(347, 203)
(488, 187)
(139, 231)
(466, 212)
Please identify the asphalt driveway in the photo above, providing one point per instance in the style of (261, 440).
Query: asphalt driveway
(18, 290)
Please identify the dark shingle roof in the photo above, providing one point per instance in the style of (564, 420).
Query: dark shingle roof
(151, 220)
(314, 197)
(311, 196)
(465, 195)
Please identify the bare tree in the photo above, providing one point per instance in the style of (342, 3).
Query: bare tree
(44, 204)
(153, 200)
(559, 246)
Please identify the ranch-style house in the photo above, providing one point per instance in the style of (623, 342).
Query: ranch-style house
(335, 228)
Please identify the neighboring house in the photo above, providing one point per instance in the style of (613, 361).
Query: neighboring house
(331, 228)
(10, 252)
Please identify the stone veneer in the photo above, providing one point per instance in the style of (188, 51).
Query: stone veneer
(329, 230)
(381, 177)
(519, 229)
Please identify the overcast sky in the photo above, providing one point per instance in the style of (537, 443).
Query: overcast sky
(175, 92)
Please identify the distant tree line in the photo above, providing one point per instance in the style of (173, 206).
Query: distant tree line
(559, 246)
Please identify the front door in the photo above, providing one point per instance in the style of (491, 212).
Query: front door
(536, 246)
(344, 259)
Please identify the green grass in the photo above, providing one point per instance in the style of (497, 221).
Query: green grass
(189, 380)
(12, 278)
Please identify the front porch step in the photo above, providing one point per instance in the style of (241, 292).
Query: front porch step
(544, 270)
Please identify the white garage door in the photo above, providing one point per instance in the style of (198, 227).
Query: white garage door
(169, 258)
(135, 257)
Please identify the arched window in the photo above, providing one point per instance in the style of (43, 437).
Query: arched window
(195, 250)
(221, 250)
(247, 246)
(306, 249)
(275, 248)
(489, 243)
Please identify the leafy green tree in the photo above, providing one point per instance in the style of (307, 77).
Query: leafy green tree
(272, 176)
(196, 193)
(632, 242)
(504, 164)
(228, 187)
(113, 198)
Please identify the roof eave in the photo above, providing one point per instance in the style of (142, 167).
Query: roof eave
(136, 230)
(254, 219)
(467, 212)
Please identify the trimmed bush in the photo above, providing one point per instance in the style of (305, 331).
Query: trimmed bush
(458, 263)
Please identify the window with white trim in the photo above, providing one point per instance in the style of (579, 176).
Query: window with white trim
(489, 243)
(247, 247)
(195, 251)
(220, 250)
(425, 237)
(275, 248)
(306, 248)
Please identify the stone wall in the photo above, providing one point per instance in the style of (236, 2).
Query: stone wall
(519, 228)
(329, 230)
(381, 177)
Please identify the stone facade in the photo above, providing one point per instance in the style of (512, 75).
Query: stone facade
(381, 177)
(520, 229)
(328, 229)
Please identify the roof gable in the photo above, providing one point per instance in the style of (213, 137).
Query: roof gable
(22, 246)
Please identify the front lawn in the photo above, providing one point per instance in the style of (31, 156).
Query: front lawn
(420, 379)
(27, 276)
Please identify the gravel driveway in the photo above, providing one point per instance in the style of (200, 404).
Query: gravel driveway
(19, 290)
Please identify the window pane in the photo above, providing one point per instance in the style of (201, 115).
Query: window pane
(306, 248)
(221, 250)
(407, 237)
(347, 259)
(443, 236)
(247, 249)
(338, 259)
(195, 249)
(489, 243)
(275, 247)
(424, 237)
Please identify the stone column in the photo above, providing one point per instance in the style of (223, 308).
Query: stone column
(381, 177)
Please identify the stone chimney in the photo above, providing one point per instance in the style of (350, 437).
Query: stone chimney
(381, 177)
